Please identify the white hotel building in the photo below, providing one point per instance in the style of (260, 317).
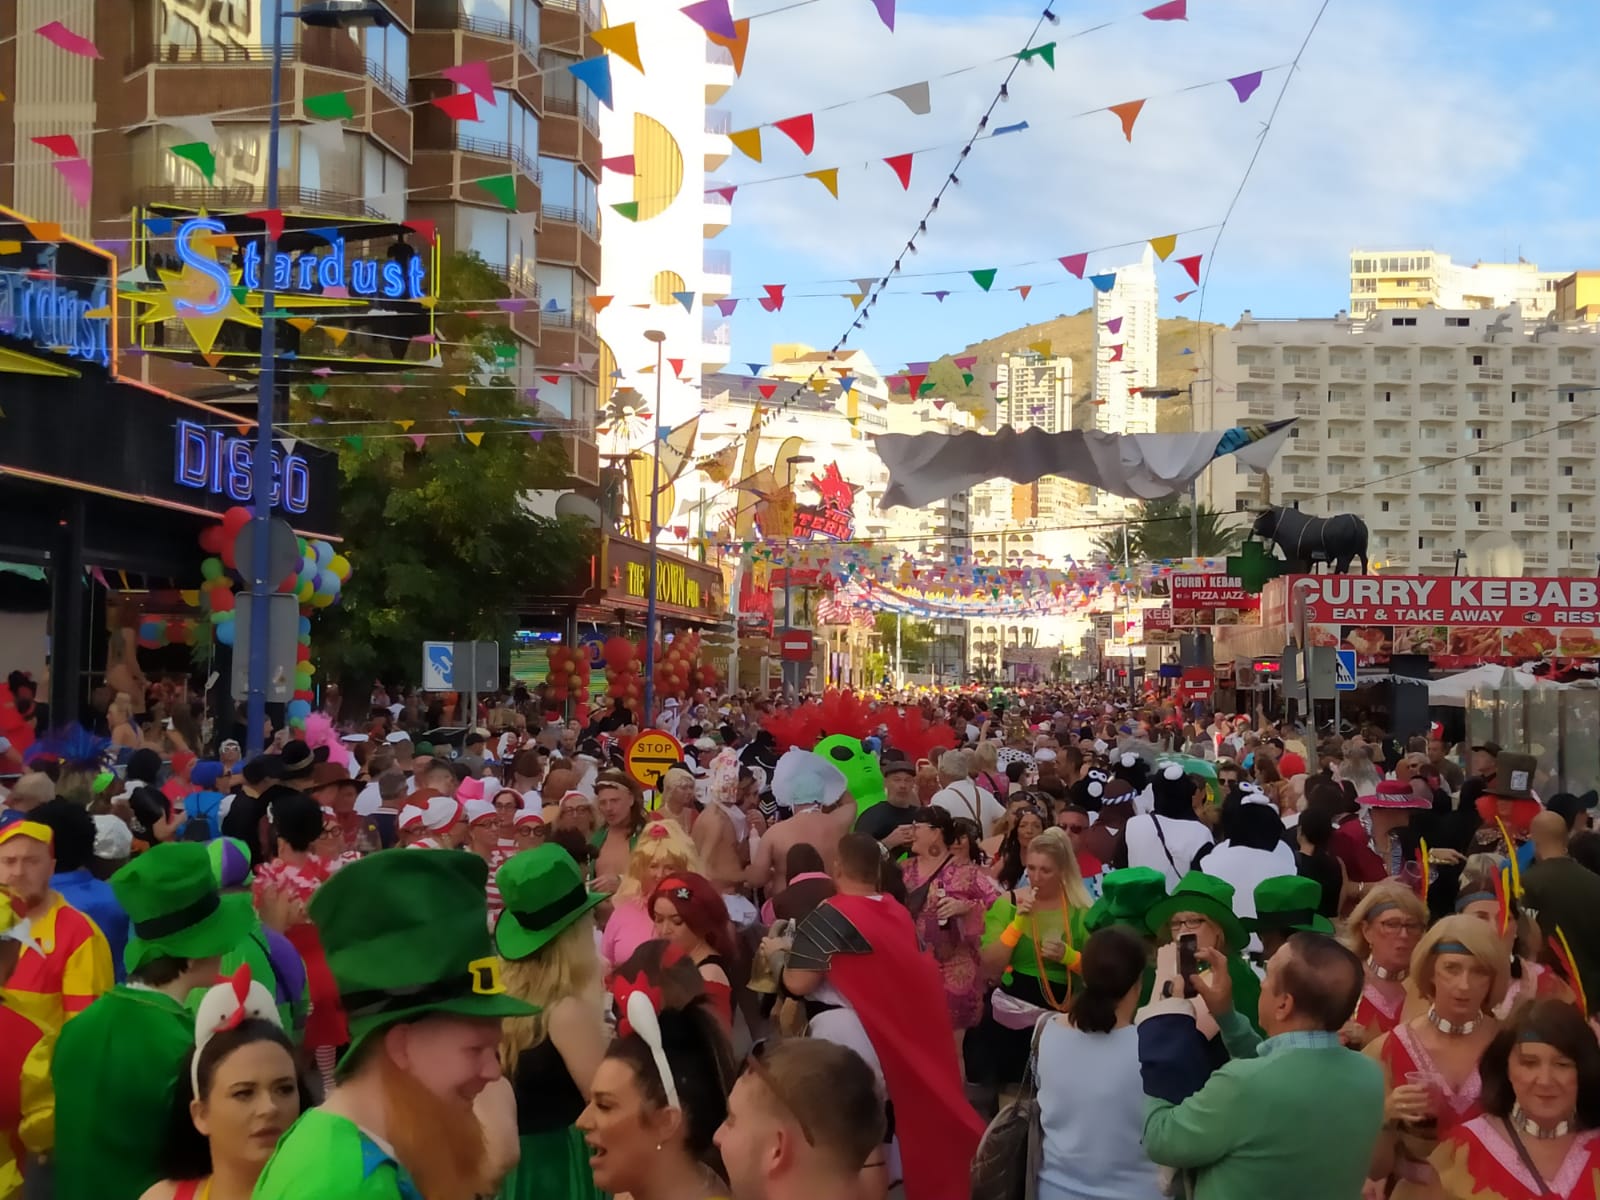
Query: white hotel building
(1435, 426)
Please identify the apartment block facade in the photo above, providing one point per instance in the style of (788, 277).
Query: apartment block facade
(1406, 279)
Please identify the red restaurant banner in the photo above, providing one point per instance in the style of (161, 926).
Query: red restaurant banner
(1211, 591)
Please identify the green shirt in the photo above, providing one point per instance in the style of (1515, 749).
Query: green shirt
(116, 1070)
(328, 1157)
(1298, 1121)
(253, 950)
(1023, 959)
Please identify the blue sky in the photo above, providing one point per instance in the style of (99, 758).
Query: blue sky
(1460, 125)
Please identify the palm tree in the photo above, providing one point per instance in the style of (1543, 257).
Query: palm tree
(1160, 529)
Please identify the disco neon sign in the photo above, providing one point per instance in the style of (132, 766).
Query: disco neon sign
(223, 466)
(367, 278)
(53, 317)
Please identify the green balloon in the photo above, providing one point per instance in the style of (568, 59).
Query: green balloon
(861, 771)
(211, 568)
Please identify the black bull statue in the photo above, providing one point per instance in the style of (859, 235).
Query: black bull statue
(1305, 539)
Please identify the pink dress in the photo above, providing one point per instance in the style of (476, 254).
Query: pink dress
(629, 928)
(955, 945)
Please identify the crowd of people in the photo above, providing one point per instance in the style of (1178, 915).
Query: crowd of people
(1066, 943)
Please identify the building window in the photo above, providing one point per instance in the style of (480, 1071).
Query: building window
(1477, 360)
(387, 51)
(1477, 432)
(1514, 507)
(1477, 506)
(567, 194)
(504, 129)
(1402, 320)
(1477, 468)
(1458, 322)
(1566, 469)
(1383, 506)
(486, 233)
(383, 180)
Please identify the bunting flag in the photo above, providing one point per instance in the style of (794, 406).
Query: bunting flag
(966, 378)
(900, 164)
(503, 188)
(766, 390)
(726, 192)
(623, 41)
(1191, 265)
(201, 155)
(428, 231)
(1164, 245)
(1047, 52)
(939, 296)
(773, 300)
(828, 178)
(800, 130)
(326, 136)
(1244, 86)
(1127, 113)
(712, 16)
(598, 303)
(726, 307)
(1116, 353)
(1075, 263)
(329, 106)
(405, 424)
(737, 45)
(676, 364)
(73, 43)
(885, 12)
(1113, 326)
(79, 178)
(684, 298)
(914, 96)
(622, 164)
(475, 437)
(64, 145)
(1042, 349)
(628, 209)
(1173, 10)
(475, 77)
(303, 324)
(856, 298)
(596, 73)
(1182, 296)
(985, 277)
(1104, 282)
(748, 143)
(966, 362)
(461, 106)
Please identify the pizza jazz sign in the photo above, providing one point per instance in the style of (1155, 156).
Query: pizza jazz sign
(1424, 600)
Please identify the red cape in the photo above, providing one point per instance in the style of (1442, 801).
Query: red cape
(898, 994)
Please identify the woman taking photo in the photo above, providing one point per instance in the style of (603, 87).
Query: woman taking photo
(237, 1093)
(947, 900)
(1091, 1098)
(1539, 1134)
(1202, 907)
(545, 938)
(1430, 1063)
(689, 913)
(1383, 931)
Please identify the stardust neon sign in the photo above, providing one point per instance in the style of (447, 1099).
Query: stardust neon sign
(207, 460)
(368, 278)
(53, 317)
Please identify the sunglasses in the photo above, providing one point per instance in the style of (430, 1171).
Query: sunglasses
(757, 1066)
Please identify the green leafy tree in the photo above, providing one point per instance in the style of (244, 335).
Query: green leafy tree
(1160, 529)
(440, 537)
(916, 640)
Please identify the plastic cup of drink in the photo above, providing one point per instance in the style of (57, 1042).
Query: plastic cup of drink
(1429, 1082)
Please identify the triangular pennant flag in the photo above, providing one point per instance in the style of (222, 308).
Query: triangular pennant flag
(914, 96)
(475, 77)
(79, 178)
(885, 12)
(985, 277)
(405, 425)
(1075, 263)
(272, 218)
(317, 390)
(428, 231)
(1113, 326)
(856, 298)
(418, 440)
(726, 307)
(900, 164)
(914, 384)
(1127, 112)
(773, 301)
(335, 334)
(72, 43)
(966, 378)
(503, 188)
(1182, 296)
(329, 106)
(939, 296)
(966, 362)
(828, 178)
(459, 106)
(1173, 10)
(1042, 349)
(201, 155)
(846, 383)
(623, 41)
(712, 16)
(628, 209)
(596, 72)
(598, 303)
(1104, 282)
(926, 387)
(800, 130)
(1164, 245)
(1244, 86)
(199, 129)
(766, 390)
(726, 191)
(684, 298)
(1191, 265)
(748, 143)
(62, 144)
(737, 45)
(676, 364)
(1116, 353)
(1185, 350)
(1046, 52)
(303, 324)
(476, 438)
(622, 164)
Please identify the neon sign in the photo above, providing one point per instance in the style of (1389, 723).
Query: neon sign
(52, 317)
(207, 460)
(308, 272)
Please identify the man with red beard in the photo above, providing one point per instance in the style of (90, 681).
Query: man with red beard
(421, 1109)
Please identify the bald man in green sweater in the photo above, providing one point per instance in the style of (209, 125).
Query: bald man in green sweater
(1293, 1114)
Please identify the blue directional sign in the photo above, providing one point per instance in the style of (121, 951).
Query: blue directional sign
(1344, 674)
(438, 666)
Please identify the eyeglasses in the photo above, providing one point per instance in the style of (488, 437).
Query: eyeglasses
(1187, 924)
(1397, 927)
(1075, 828)
(756, 1065)
(507, 805)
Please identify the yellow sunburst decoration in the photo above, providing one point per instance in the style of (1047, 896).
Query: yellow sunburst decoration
(196, 294)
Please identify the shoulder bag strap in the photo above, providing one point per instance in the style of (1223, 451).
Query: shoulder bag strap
(1165, 849)
(1527, 1159)
(1030, 1081)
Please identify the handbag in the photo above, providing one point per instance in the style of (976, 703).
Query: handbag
(1006, 1166)
(917, 897)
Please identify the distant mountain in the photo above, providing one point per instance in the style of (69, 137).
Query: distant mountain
(1074, 337)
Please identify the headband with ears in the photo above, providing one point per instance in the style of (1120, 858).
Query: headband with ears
(1172, 772)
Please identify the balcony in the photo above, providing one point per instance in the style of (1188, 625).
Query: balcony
(315, 50)
(1396, 371)
(718, 147)
(1391, 448)
(492, 148)
(1261, 408)
(1304, 374)
(1579, 520)
(1393, 485)
(565, 335)
(1535, 558)
(1437, 448)
(720, 75)
(718, 278)
(571, 127)
(1353, 374)
(718, 210)
(1264, 374)
(1536, 408)
(489, 27)
(1576, 483)
(1490, 409)
(1585, 447)
(1307, 408)
(571, 239)
(1350, 446)
(1494, 374)
(249, 196)
(1530, 483)
(1303, 445)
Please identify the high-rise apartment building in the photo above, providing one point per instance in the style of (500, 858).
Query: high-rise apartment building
(165, 63)
(1404, 279)
(1435, 426)
(1125, 348)
(1033, 391)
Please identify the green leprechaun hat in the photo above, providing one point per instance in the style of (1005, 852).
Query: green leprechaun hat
(544, 894)
(1288, 902)
(1207, 895)
(173, 906)
(1126, 897)
(406, 934)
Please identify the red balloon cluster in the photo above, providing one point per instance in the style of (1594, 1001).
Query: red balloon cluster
(569, 671)
(678, 667)
(622, 659)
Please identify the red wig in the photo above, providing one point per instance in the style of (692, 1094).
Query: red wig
(700, 906)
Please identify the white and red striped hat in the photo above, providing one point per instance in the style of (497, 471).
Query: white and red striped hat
(478, 811)
(441, 814)
(410, 817)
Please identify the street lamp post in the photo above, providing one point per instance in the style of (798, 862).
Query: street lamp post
(656, 336)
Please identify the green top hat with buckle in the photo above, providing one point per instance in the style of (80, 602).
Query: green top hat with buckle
(406, 933)
(173, 906)
(1207, 895)
(544, 894)
(1126, 897)
(1286, 903)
